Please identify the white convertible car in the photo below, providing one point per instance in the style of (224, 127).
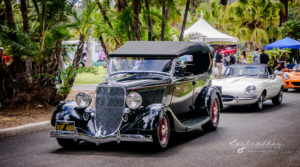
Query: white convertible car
(250, 84)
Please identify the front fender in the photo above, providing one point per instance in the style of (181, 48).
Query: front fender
(69, 111)
(150, 119)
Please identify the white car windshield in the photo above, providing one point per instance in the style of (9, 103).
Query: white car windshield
(296, 68)
(251, 71)
(140, 64)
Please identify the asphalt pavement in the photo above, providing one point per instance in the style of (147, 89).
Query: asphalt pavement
(245, 137)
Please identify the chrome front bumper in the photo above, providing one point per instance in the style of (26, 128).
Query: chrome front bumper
(236, 100)
(103, 139)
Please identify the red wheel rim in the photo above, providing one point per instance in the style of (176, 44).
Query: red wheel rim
(163, 131)
(215, 111)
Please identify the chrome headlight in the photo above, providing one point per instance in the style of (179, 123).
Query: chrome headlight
(285, 76)
(133, 100)
(83, 99)
(250, 90)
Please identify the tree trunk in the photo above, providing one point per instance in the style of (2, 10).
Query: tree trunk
(89, 61)
(9, 14)
(284, 13)
(148, 20)
(77, 58)
(136, 5)
(106, 20)
(184, 19)
(103, 46)
(163, 24)
(28, 60)
(223, 2)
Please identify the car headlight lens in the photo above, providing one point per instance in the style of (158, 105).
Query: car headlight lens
(285, 76)
(250, 90)
(133, 100)
(83, 99)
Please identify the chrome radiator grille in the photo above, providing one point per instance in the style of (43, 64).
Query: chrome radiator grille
(110, 103)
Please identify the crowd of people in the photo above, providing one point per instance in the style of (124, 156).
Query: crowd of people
(257, 58)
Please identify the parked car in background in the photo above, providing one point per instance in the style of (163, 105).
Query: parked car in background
(153, 89)
(291, 78)
(252, 84)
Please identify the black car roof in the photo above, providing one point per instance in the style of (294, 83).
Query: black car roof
(159, 48)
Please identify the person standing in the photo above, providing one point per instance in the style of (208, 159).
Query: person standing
(255, 57)
(219, 61)
(244, 58)
(226, 59)
(264, 58)
(232, 58)
(4, 57)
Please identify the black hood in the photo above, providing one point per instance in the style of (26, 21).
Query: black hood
(139, 82)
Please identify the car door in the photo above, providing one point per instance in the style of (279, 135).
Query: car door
(182, 99)
(275, 82)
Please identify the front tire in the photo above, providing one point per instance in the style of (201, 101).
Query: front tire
(161, 136)
(215, 108)
(67, 143)
(278, 98)
(259, 105)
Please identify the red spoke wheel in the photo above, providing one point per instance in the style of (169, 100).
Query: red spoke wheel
(161, 136)
(212, 124)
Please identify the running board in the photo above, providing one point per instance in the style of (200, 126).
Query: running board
(195, 123)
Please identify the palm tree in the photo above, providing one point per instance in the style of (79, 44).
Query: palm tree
(136, 6)
(284, 11)
(9, 13)
(149, 23)
(253, 20)
(184, 19)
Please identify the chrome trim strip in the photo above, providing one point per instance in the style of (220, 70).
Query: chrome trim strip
(98, 140)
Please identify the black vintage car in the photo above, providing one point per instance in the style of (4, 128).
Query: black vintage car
(153, 89)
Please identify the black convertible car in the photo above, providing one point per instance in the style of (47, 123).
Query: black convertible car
(153, 89)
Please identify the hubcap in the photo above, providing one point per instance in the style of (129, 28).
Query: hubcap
(260, 104)
(215, 111)
(163, 131)
(280, 96)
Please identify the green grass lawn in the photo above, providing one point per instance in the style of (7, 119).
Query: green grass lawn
(90, 78)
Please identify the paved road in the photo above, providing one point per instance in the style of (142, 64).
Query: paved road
(244, 138)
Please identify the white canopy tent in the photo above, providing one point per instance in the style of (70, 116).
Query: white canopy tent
(201, 31)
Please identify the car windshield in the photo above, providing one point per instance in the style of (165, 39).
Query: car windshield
(251, 71)
(296, 68)
(140, 65)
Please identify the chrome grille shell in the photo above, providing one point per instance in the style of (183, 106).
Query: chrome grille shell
(110, 104)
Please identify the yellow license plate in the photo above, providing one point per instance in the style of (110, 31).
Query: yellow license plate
(65, 125)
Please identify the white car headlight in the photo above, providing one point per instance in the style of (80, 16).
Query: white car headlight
(250, 90)
(83, 99)
(133, 100)
(285, 76)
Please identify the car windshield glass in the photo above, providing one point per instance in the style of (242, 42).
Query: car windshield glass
(243, 71)
(140, 64)
(296, 68)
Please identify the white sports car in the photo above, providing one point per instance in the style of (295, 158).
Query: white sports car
(250, 84)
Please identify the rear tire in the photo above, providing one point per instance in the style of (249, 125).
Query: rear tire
(161, 136)
(278, 98)
(67, 143)
(214, 110)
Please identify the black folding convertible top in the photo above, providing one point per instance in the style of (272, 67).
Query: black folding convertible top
(159, 48)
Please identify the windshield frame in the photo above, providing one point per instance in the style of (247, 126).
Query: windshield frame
(295, 69)
(110, 73)
(243, 74)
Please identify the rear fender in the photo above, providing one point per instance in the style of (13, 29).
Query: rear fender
(208, 96)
